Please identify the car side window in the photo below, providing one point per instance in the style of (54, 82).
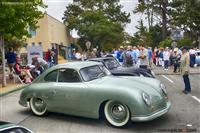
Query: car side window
(68, 76)
(51, 77)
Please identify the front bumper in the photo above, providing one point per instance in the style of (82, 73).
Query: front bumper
(152, 116)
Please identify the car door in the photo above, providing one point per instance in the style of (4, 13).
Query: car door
(71, 92)
(49, 87)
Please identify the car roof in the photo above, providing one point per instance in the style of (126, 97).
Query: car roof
(77, 64)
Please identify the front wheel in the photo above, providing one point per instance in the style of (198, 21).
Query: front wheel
(116, 113)
(38, 106)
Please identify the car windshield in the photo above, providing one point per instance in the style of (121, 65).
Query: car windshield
(111, 63)
(93, 72)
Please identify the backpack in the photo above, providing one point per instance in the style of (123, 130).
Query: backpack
(128, 59)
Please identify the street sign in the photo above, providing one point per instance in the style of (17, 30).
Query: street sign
(88, 44)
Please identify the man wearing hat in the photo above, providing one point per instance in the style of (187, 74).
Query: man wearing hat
(184, 69)
(176, 60)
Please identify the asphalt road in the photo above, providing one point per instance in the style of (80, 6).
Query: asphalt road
(184, 114)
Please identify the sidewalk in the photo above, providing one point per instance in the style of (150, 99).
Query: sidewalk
(10, 88)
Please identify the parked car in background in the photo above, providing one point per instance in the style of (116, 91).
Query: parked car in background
(88, 89)
(118, 70)
(197, 59)
(6, 127)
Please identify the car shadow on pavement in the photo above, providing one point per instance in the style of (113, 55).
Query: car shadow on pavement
(101, 124)
(25, 111)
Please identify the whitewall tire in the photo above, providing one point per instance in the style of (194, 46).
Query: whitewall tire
(38, 106)
(116, 113)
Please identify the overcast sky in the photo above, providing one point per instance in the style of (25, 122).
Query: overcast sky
(56, 9)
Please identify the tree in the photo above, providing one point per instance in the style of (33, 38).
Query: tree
(155, 9)
(144, 6)
(173, 14)
(100, 21)
(15, 18)
(151, 37)
(186, 16)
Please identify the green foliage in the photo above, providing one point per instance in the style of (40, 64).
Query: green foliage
(155, 10)
(184, 42)
(176, 14)
(14, 43)
(148, 38)
(99, 21)
(166, 43)
(185, 14)
(15, 17)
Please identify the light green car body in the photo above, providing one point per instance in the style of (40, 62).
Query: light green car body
(86, 99)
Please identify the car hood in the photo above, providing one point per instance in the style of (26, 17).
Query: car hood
(124, 70)
(148, 85)
(130, 69)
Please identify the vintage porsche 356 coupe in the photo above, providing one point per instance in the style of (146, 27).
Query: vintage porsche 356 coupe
(87, 89)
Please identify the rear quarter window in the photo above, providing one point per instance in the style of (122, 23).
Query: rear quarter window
(52, 76)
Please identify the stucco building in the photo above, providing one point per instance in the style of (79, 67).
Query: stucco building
(51, 33)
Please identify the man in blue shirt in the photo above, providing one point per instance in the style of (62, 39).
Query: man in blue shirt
(150, 54)
(119, 54)
(11, 60)
(135, 54)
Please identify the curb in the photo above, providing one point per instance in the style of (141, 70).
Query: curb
(174, 73)
(14, 90)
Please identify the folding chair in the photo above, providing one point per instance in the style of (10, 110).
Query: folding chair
(16, 76)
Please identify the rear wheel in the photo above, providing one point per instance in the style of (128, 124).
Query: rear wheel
(38, 106)
(116, 113)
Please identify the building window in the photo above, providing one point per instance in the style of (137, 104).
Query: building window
(32, 32)
(40, 44)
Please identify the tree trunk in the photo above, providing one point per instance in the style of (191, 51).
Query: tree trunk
(3, 61)
(151, 17)
(148, 14)
(148, 17)
(164, 20)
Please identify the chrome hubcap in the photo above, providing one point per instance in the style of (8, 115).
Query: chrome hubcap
(118, 112)
(39, 104)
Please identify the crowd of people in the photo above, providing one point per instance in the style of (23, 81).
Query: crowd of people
(28, 73)
(128, 56)
(140, 56)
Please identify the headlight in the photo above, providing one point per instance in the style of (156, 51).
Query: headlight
(162, 86)
(146, 98)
